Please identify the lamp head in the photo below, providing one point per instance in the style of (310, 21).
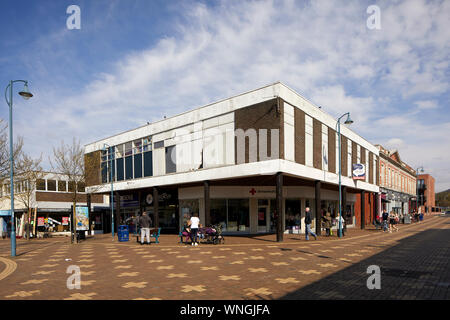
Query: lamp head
(349, 120)
(25, 93)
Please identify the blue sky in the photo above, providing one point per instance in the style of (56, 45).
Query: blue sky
(135, 61)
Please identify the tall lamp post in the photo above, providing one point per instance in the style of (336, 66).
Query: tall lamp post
(417, 187)
(348, 121)
(25, 93)
(105, 145)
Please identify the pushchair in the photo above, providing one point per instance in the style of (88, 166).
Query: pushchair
(214, 234)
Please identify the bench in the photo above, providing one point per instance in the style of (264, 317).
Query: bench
(154, 233)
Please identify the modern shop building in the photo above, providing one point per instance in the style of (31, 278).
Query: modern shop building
(426, 194)
(397, 183)
(238, 162)
(50, 196)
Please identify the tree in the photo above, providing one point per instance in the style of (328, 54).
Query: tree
(29, 172)
(4, 152)
(69, 160)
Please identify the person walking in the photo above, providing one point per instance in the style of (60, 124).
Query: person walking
(327, 223)
(194, 223)
(392, 222)
(385, 217)
(308, 221)
(145, 221)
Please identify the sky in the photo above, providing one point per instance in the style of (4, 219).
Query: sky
(136, 61)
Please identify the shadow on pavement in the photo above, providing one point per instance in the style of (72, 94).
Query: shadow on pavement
(417, 267)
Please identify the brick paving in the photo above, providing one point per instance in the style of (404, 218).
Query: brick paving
(413, 262)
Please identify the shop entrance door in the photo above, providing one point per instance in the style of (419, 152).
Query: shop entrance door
(263, 218)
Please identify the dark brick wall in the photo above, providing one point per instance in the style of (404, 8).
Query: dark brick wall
(66, 197)
(371, 177)
(299, 122)
(260, 116)
(331, 150)
(354, 152)
(92, 168)
(344, 152)
(378, 170)
(317, 144)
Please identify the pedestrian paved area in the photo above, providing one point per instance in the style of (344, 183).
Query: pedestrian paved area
(414, 264)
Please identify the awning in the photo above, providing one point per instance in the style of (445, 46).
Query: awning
(5, 213)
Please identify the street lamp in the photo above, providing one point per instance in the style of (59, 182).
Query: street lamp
(105, 145)
(26, 94)
(348, 121)
(417, 188)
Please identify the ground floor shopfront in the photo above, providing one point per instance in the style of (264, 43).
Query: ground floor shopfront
(398, 202)
(240, 206)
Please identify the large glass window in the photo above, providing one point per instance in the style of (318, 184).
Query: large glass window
(120, 175)
(51, 185)
(171, 159)
(148, 164)
(188, 208)
(292, 215)
(138, 165)
(218, 212)
(128, 148)
(238, 214)
(232, 214)
(128, 167)
(40, 184)
(62, 186)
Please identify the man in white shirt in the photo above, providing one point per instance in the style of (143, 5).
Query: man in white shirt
(194, 222)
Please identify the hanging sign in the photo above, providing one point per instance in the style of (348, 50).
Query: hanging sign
(359, 171)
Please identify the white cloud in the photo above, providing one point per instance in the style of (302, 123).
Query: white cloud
(319, 48)
(426, 104)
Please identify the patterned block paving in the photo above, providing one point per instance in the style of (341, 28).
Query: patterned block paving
(233, 269)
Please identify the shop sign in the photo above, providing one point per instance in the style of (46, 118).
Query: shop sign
(359, 171)
(65, 221)
(82, 218)
(41, 222)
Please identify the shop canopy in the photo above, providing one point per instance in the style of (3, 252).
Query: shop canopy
(5, 213)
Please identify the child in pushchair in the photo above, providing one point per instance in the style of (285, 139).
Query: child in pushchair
(212, 234)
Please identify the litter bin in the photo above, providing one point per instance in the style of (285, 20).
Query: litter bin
(407, 219)
(123, 233)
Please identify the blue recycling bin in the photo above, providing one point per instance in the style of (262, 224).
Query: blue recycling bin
(123, 233)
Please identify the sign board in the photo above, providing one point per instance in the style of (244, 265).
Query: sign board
(82, 218)
(359, 171)
(41, 222)
(65, 221)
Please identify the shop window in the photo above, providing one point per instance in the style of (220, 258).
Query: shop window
(292, 215)
(188, 208)
(148, 164)
(128, 168)
(81, 187)
(40, 184)
(238, 215)
(62, 185)
(128, 149)
(137, 146)
(137, 166)
(147, 144)
(120, 169)
(218, 212)
(104, 172)
(51, 185)
(71, 186)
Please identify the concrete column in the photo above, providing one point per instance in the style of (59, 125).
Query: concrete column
(279, 204)
(317, 201)
(363, 209)
(156, 206)
(117, 211)
(207, 203)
